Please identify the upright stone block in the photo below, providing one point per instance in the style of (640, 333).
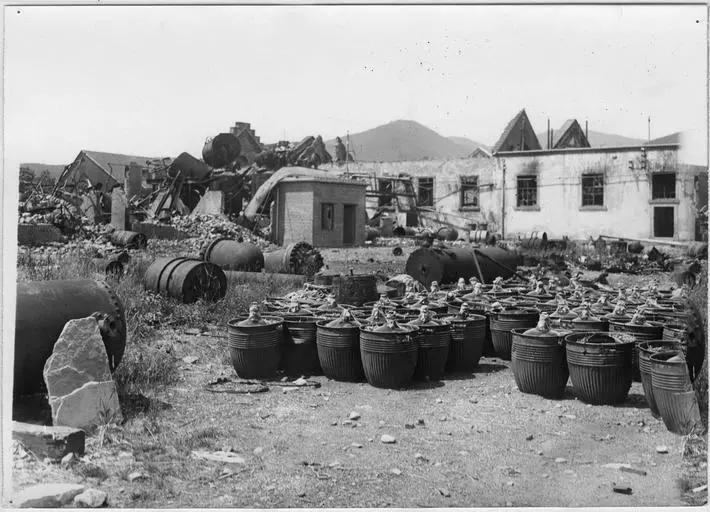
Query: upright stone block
(119, 209)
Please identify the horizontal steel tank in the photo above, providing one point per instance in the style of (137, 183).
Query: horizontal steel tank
(221, 150)
(232, 255)
(296, 258)
(189, 167)
(186, 279)
(43, 308)
(447, 264)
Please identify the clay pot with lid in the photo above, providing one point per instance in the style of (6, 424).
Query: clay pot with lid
(503, 321)
(254, 344)
(433, 337)
(468, 337)
(338, 344)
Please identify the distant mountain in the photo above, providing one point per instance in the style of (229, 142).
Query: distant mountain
(401, 141)
(469, 144)
(598, 139)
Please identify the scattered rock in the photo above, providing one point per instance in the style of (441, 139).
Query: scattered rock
(622, 489)
(510, 483)
(409, 426)
(439, 401)
(219, 456)
(90, 498)
(136, 475)
(47, 495)
(443, 418)
(463, 452)
(354, 416)
(300, 382)
(560, 460)
(629, 469)
(444, 492)
(356, 445)
(661, 449)
(568, 472)
(47, 441)
(570, 416)
(190, 359)
(529, 437)
(419, 456)
(333, 423)
(301, 494)
(258, 450)
(387, 439)
(396, 471)
(615, 465)
(334, 464)
(700, 489)
(80, 387)
(347, 422)
(67, 459)
(420, 421)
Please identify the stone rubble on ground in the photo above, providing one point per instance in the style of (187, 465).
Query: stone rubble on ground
(387, 439)
(47, 495)
(90, 498)
(80, 386)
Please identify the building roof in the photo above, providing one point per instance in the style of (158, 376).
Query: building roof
(321, 179)
(570, 135)
(673, 138)
(114, 163)
(510, 138)
(480, 152)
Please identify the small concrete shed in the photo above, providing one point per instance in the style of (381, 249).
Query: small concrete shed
(323, 211)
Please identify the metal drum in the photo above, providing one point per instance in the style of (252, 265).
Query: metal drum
(186, 279)
(233, 255)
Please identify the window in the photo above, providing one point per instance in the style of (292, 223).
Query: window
(593, 190)
(527, 190)
(326, 216)
(469, 191)
(663, 186)
(384, 189)
(425, 191)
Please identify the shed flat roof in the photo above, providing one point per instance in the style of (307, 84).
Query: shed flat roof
(317, 179)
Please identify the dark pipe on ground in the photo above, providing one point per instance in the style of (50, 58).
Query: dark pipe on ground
(233, 255)
(43, 307)
(186, 279)
(129, 239)
(404, 231)
(447, 234)
(447, 264)
(297, 258)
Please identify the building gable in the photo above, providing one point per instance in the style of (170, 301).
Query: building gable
(517, 136)
(570, 135)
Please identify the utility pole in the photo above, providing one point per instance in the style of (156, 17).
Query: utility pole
(649, 128)
(347, 150)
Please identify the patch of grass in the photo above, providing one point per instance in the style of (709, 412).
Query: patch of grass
(144, 368)
(200, 438)
(89, 470)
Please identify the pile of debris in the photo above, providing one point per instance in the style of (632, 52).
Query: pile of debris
(40, 208)
(206, 227)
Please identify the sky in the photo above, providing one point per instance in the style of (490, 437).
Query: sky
(157, 81)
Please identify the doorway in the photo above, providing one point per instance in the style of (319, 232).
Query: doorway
(663, 221)
(349, 223)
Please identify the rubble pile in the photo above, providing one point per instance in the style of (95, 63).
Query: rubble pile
(48, 209)
(205, 227)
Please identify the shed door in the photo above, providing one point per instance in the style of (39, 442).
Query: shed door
(663, 221)
(349, 222)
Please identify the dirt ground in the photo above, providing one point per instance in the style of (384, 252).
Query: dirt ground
(471, 440)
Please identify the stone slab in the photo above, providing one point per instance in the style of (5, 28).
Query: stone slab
(47, 495)
(37, 234)
(53, 442)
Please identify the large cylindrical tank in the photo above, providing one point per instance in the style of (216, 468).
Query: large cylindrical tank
(296, 258)
(43, 307)
(186, 279)
(190, 167)
(221, 150)
(447, 264)
(233, 255)
(130, 239)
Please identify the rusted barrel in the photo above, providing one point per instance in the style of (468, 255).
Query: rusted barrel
(296, 258)
(186, 279)
(355, 289)
(404, 231)
(43, 307)
(447, 264)
(447, 233)
(533, 240)
(481, 236)
(221, 150)
(233, 255)
(129, 239)
(673, 392)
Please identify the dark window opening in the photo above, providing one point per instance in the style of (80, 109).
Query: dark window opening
(469, 191)
(425, 191)
(593, 190)
(385, 196)
(327, 221)
(663, 186)
(527, 191)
